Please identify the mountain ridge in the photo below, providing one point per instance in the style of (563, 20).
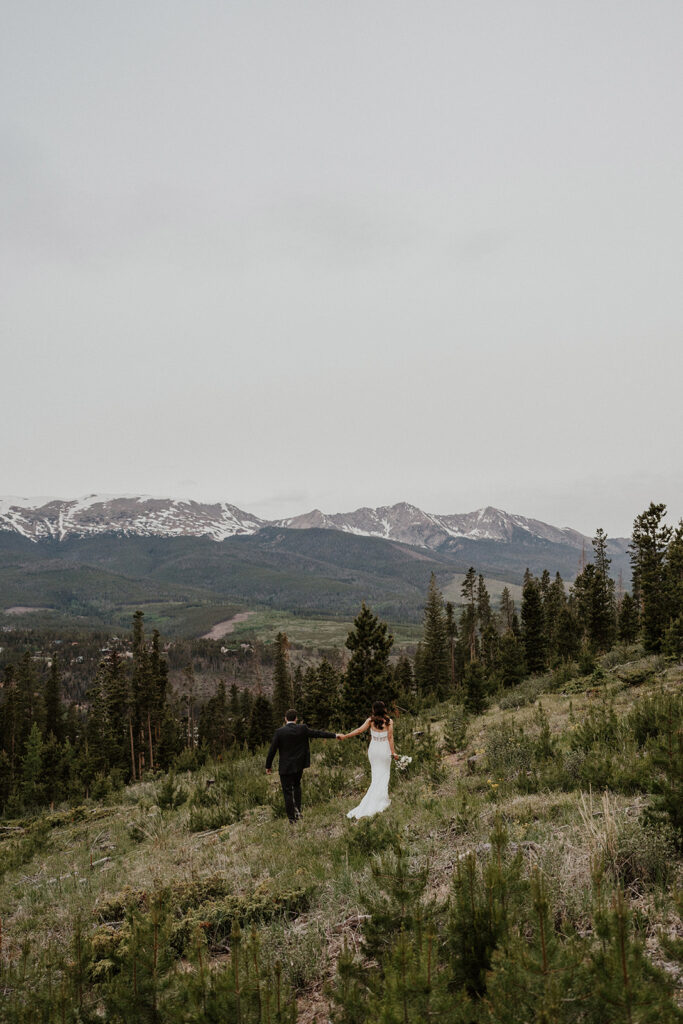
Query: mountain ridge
(143, 515)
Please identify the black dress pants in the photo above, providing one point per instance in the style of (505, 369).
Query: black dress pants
(291, 790)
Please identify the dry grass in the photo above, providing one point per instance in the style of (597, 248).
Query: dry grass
(565, 834)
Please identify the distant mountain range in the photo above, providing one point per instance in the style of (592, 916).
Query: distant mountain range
(142, 516)
(100, 557)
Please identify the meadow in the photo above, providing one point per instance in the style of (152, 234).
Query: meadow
(190, 897)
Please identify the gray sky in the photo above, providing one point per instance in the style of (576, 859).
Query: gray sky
(344, 253)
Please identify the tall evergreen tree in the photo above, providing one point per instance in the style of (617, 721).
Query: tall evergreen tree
(603, 605)
(27, 694)
(283, 697)
(507, 608)
(434, 666)
(648, 549)
(365, 676)
(404, 680)
(484, 614)
(260, 722)
(567, 635)
(554, 602)
(321, 695)
(512, 666)
(119, 708)
(32, 769)
(628, 620)
(52, 697)
(468, 621)
(674, 573)
(10, 719)
(297, 686)
(215, 722)
(452, 636)
(533, 625)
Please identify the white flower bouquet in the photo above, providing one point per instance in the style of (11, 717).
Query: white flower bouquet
(403, 761)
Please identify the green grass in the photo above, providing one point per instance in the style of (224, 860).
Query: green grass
(311, 632)
(439, 812)
(305, 632)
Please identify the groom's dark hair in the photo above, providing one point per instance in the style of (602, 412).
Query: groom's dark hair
(291, 715)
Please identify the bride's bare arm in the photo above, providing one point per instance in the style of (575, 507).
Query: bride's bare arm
(356, 732)
(390, 737)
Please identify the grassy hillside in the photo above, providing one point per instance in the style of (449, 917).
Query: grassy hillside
(128, 905)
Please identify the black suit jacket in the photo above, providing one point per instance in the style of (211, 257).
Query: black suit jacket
(291, 741)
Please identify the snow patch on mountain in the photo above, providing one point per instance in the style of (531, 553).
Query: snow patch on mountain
(143, 515)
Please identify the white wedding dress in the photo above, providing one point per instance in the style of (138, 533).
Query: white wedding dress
(377, 797)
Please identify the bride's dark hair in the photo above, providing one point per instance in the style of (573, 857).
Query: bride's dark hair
(380, 718)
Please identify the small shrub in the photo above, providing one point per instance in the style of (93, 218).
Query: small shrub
(509, 750)
(599, 726)
(371, 835)
(170, 794)
(455, 730)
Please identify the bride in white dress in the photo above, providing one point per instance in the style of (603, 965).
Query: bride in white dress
(380, 753)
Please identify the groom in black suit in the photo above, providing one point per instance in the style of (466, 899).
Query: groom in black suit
(291, 740)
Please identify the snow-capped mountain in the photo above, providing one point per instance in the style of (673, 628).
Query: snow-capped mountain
(131, 515)
(410, 525)
(43, 518)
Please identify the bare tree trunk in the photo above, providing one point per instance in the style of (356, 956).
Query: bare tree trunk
(149, 733)
(132, 748)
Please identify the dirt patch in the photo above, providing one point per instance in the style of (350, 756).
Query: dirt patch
(20, 609)
(222, 629)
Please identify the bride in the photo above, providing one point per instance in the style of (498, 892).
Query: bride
(380, 753)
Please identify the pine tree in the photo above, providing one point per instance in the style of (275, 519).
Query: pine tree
(536, 976)
(283, 698)
(52, 697)
(512, 666)
(452, 636)
(507, 608)
(624, 984)
(628, 620)
(404, 680)
(567, 635)
(603, 606)
(582, 593)
(648, 550)
(10, 718)
(5, 780)
(297, 686)
(119, 705)
(260, 722)
(674, 573)
(484, 614)
(434, 674)
(468, 621)
(474, 680)
(554, 604)
(490, 649)
(365, 676)
(216, 729)
(27, 694)
(533, 625)
(483, 906)
(321, 695)
(32, 769)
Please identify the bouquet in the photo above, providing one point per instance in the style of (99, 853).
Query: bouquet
(403, 761)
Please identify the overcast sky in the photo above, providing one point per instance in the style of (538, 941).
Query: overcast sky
(344, 253)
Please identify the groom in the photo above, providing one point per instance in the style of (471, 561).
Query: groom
(291, 740)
